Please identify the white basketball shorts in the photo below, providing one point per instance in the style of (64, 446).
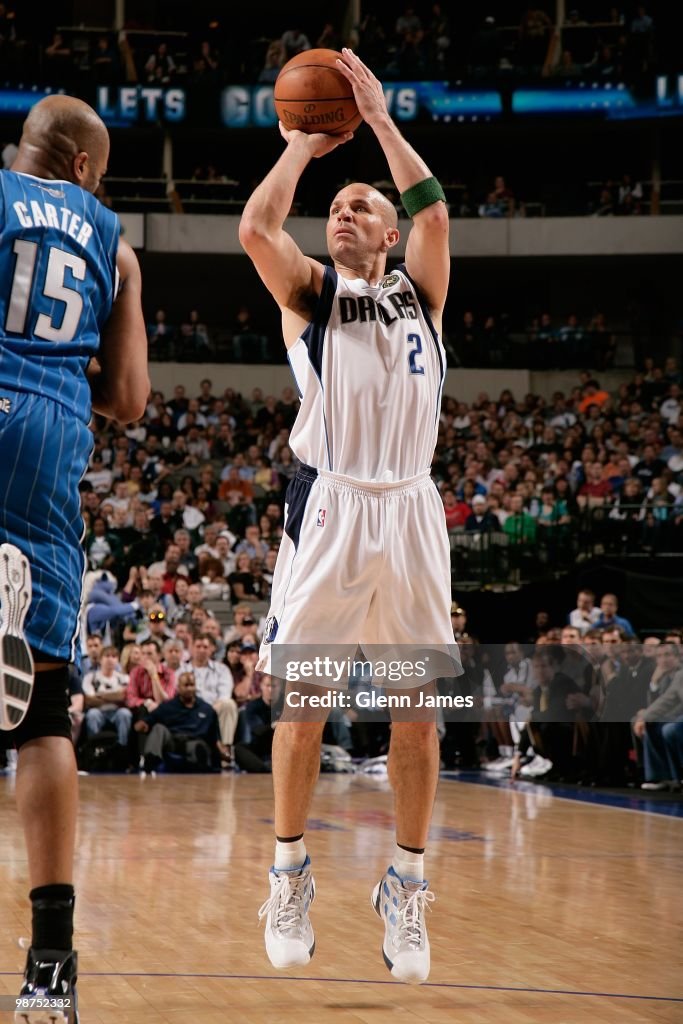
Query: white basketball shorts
(360, 563)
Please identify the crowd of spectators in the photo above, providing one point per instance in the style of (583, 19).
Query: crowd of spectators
(420, 41)
(586, 701)
(588, 464)
(184, 515)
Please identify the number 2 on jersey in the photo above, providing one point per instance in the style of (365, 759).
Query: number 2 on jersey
(416, 340)
(53, 288)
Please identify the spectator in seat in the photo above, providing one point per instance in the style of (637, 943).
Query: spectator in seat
(596, 490)
(407, 23)
(624, 695)
(550, 725)
(175, 656)
(152, 681)
(252, 544)
(157, 627)
(244, 625)
(214, 685)
(160, 336)
(667, 663)
(160, 66)
(503, 196)
(249, 344)
(274, 60)
(294, 41)
(519, 525)
(195, 337)
(242, 583)
(104, 61)
(458, 620)
(103, 547)
(518, 683)
(608, 618)
(649, 466)
(105, 694)
(255, 753)
(234, 488)
(58, 64)
(585, 615)
(456, 512)
(184, 725)
(660, 727)
(482, 520)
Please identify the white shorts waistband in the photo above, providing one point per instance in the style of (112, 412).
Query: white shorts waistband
(376, 488)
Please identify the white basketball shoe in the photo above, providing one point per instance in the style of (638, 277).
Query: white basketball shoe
(16, 660)
(289, 933)
(401, 903)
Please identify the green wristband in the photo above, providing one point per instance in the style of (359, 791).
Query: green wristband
(425, 193)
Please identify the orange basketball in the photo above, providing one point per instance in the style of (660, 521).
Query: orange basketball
(311, 95)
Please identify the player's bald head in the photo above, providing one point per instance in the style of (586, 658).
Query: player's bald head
(58, 130)
(383, 206)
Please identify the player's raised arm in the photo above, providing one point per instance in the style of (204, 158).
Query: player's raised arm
(427, 254)
(120, 382)
(288, 275)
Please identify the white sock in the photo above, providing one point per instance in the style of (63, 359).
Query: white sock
(505, 751)
(289, 856)
(408, 865)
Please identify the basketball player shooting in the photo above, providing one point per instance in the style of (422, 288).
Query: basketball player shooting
(69, 292)
(365, 557)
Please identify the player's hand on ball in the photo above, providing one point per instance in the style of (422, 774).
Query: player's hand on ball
(317, 143)
(367, 90)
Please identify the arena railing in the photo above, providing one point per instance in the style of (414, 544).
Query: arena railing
(633, 531)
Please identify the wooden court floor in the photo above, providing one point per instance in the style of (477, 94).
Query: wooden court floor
(547, 910)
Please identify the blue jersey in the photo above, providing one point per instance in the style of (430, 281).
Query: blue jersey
(58, 279)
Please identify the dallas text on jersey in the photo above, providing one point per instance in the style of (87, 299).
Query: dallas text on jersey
(366, 309)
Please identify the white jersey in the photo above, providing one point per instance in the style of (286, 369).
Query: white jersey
(370, 370)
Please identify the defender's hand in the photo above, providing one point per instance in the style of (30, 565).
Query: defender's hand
(367, 89)
(317, 143)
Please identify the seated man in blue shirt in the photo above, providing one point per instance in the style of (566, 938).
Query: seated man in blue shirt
(608, 616)
(184, 725)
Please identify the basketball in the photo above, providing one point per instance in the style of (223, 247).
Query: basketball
(311, 95)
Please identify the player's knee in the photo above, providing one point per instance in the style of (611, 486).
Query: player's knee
(48, 713)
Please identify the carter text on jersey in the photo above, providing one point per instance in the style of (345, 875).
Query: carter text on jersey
(44, 215)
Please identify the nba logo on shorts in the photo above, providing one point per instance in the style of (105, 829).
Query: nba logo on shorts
(270, 630)
(322, 512)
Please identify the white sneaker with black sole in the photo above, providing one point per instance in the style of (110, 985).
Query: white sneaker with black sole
(289, 933)
(401, 903)
(16, 660)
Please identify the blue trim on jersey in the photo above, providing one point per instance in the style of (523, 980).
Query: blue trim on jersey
(401, 269)
(298, 494)
(291, 366)
(314, 335)
(314, 338)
